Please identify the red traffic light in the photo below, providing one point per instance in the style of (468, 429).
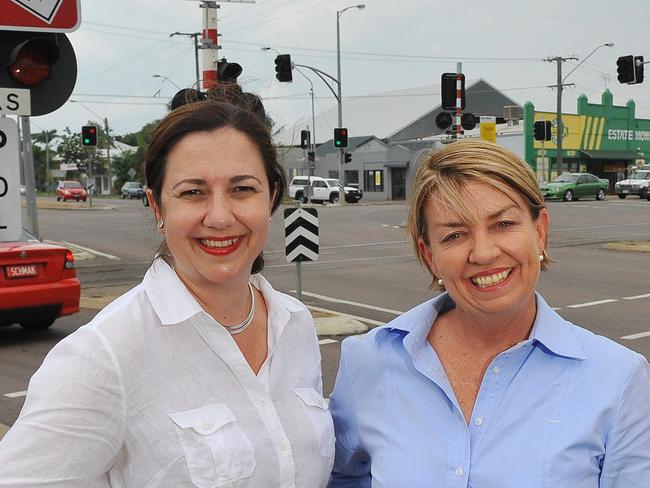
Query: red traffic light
(30, 61)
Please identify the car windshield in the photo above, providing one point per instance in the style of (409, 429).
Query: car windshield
(641, 175)
(566, 179)
(332, 182)
(133, 185)
(71, 184)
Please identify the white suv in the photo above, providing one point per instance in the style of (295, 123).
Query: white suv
(322, 190)
(637, 184)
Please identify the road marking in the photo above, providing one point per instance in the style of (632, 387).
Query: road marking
(601, 227)
(92, 251)
(636, 297)
(322, 342)
(16, 394)
(362, 319)
(339, 261)
(591, 304)
(348, 302)
(636, 336)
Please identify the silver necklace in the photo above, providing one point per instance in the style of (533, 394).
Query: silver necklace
(242, 326)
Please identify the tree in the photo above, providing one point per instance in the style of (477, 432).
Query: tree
(71, 151)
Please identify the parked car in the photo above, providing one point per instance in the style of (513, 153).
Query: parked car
(572, 186)
(132, 189)
(38, 283)
(323, 189)
(637, 184)
(70, 190)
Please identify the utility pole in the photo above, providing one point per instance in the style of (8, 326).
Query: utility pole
(558, 112)
(28, 168)
(108, 157)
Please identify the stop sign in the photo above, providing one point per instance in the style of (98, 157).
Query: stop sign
(44, 15)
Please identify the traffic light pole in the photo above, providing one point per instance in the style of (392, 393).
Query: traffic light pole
(28, 168)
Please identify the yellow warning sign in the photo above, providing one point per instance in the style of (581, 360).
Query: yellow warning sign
(489, 129)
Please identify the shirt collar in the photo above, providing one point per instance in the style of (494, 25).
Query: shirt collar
(173, 303)
(549, 329)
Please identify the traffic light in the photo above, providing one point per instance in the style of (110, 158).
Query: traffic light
(311, 156)
(348, 157)
(626, 71)
(542, 130)
(304, 139)
(340, 137)
(89, 136)
(228, 72)
(468, 121)
(283, 67)
(443, 120)
(638, 69)
(448, 90)
(43, 63)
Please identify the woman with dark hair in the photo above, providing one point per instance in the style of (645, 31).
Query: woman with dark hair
(203, 375)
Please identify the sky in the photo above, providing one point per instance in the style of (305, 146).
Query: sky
(121, 44)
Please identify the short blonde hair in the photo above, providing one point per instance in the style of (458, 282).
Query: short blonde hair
(444, 173)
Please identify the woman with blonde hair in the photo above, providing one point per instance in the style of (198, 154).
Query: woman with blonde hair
(485, 385)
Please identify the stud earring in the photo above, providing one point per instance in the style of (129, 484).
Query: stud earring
(541, 257)
(440, 282)
(160, 224)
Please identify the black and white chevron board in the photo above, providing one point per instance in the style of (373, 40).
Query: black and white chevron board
(301, 234)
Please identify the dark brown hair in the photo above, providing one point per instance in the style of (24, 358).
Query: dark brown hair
(226, 107)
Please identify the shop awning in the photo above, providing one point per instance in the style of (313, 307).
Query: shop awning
(609, 155)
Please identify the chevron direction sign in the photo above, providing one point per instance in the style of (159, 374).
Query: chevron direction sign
(301, 234)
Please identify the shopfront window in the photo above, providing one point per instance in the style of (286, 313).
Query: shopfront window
(373, 180)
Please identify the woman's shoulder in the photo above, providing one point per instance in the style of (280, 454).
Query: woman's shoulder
(603, 350)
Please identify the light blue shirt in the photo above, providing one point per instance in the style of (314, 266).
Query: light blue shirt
(563, 409)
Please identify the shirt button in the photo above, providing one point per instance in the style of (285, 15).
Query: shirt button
(496, 370)
(478, 421)
(261, 402)
(459, 471)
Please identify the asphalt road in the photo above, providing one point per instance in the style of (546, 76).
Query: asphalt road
(366, 269)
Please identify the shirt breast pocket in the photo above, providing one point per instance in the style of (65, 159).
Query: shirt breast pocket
(319, 416)
(216, 449)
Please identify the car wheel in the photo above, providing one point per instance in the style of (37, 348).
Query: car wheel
(58, 198)
(334, 198)
(568, 196)
(83, 199)
(600, 195)
(41, 319)
(621, 196)
(301, 197)
(643, 193)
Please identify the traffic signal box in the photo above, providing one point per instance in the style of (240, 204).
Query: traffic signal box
(340, 137)
(42, 62)
(228, 72)
(348, 158)
(448, 91)
(304, 139)
(283, 67)
(638, 69)
(89, 136)
(625, 69)
(542, 130)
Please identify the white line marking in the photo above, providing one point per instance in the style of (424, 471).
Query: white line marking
(362, 319)
(601, 227)
(591, 304)
(348, 302)
(637, 336)
(636, 297)
(92, 251)
(322, 342)
(16, 394)
(339, 261)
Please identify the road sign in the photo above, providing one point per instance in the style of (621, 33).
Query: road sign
(489, 129)
(15, 101)
(10, 211)
(301, 234)
(131, 172)
(43, 15)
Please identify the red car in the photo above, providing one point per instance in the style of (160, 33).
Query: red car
(70, 190)
(38, 283)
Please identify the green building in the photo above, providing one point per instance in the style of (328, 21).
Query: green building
(602, 139)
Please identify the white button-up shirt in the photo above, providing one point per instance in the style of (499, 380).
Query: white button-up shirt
(153, 393)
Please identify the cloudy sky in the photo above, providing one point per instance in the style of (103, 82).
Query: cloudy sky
(390, 45)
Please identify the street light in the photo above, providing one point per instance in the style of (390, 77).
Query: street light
(164, 78)
(311, 93)
(560, 85)
(360, 6)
